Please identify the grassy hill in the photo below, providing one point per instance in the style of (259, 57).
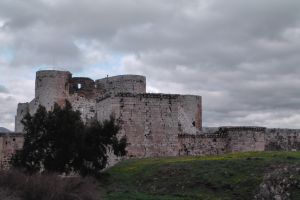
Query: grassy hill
(232, 176)
(229, 177)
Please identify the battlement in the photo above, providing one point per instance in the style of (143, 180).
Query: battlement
(148, 95)
(242, 128)
(194, 136)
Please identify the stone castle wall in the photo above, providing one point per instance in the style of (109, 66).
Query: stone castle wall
(151, 122)
(9, 144)
(203, 144)
(240, 139)
(224, 140)
(243, 139)
(154, 124)
(282, 139)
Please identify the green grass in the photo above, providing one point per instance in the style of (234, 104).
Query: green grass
(231, 176)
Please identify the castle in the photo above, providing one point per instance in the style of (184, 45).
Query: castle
(154, 124)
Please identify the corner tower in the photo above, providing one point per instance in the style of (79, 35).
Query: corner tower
(52, 86)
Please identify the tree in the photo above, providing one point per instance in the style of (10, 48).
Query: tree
(31, 155)
(92, 154)
(59, 141)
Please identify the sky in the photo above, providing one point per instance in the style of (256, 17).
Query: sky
(242, 57)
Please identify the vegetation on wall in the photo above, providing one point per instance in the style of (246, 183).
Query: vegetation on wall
(59, 141)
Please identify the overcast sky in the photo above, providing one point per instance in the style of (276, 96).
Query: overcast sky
(242, 57)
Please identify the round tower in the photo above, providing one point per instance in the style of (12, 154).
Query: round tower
(122, 84)
(52, 86)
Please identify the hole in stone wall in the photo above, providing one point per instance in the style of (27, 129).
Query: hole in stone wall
(194, 123)
(79, 85)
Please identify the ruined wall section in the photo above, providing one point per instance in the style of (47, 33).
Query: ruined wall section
(282, 139)
(190, 113)
(22, 110)
(9, 144)
(82, 95)
(121, 84)
(83, 87)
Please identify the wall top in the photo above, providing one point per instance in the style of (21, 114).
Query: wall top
(52, 72)
(123, 77)
(242, 128)
(11, 134)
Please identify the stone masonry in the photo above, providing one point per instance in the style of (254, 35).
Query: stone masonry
(9, 143)
(154, 124)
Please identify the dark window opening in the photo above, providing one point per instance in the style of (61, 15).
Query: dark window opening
(194, 123)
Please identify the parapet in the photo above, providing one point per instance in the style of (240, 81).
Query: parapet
(242, 128)
(121, 84)
(148, 95)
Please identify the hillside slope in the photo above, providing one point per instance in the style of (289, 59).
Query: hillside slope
(232, 176)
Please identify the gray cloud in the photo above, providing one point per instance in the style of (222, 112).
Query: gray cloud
(3, 89)
(242, 57)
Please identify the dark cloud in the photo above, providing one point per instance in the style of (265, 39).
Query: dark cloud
(242, 57)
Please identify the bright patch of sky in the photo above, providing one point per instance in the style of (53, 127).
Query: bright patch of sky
(103, 67)
(6, 55)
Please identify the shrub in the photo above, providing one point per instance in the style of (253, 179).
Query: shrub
(49, 186)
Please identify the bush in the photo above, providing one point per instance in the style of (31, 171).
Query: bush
(49, 187)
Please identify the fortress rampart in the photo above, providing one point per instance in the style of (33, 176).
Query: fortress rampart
(151, 122)
(154, 124)
(240, 139)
